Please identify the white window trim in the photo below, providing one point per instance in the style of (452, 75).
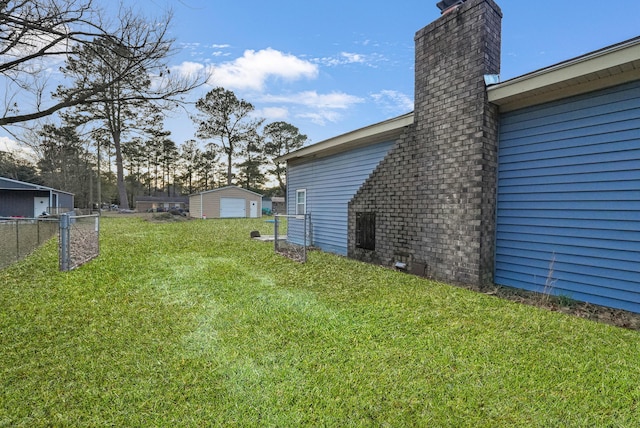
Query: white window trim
(304, 204)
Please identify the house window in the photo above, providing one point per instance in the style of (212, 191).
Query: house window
(301, 201)
(366, 231)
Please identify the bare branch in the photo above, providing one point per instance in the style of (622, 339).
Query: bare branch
(36, 35)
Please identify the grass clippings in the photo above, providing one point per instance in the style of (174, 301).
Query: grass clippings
(194, 324)
(167, 217)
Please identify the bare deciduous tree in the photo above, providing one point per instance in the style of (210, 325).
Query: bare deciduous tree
(36, 36)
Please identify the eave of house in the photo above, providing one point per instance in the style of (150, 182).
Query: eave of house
(604, 68)
(372, 134)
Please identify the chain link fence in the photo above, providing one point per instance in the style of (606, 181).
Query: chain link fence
(79, 240)
(19, 237)
(292, 236)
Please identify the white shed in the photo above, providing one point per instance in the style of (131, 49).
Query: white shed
(226, 202)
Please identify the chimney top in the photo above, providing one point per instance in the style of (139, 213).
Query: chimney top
(448, 5)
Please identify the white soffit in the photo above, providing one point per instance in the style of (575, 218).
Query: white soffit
(377, 133)
(607, 67)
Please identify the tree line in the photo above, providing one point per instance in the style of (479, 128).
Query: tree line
(108, 142)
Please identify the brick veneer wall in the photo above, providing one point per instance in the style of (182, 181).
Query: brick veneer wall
(434, 193)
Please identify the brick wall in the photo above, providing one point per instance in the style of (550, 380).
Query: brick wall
(434, 193)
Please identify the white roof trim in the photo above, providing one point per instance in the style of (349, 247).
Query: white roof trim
(377, 133)
(607, 67)
(226, 188)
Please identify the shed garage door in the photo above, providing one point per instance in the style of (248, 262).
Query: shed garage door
(569, 198)
(232, 207)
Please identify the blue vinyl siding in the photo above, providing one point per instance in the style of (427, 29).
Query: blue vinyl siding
(569, 197)
(330, 182)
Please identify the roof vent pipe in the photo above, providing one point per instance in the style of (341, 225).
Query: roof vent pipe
(447, 6)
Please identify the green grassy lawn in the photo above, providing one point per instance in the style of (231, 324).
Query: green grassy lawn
(193, 324)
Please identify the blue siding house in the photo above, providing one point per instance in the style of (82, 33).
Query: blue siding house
(329, 173)
(560, 188)
(568, 213)
(568, 210)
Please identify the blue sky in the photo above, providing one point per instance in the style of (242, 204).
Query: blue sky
(331, 67)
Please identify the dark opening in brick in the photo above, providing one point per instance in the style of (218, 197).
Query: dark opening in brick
(366, 230)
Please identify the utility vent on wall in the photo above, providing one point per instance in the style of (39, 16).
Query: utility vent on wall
(448, 5)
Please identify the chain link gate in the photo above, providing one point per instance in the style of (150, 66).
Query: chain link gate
(79, 240)
(292, 236)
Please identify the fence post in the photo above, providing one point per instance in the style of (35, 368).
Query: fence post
(304, 247)
(275, 233)
(64, 242)
(17, 240)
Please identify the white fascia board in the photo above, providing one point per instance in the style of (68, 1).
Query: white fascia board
(219, 189)
(566, 72)
(376, 133)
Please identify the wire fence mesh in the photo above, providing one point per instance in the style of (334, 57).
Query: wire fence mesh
(79, 240)
(19, 237)
(292, 236)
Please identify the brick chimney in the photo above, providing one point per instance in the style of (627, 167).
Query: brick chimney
(433, 196)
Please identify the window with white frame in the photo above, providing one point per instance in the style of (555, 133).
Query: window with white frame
(301, 201)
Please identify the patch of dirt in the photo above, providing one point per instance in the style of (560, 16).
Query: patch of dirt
(616, 317)
(83, 244)
(295, 254)
(167, 217)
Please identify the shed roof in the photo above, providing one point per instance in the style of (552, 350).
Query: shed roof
(10, 184)
(226, 188)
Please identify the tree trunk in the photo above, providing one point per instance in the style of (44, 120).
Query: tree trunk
(122, 188)
(99, 181)
(229, 160)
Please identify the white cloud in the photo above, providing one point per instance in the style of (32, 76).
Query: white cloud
(188, 68)
(193, 45)
(273, 113)
(321, 117)
(34, 40)
(220, 50)
(344, 58)
(9, 145)
(351, 58)
(317, 108)
(393, 101)
(333, 100)
(254, 68)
